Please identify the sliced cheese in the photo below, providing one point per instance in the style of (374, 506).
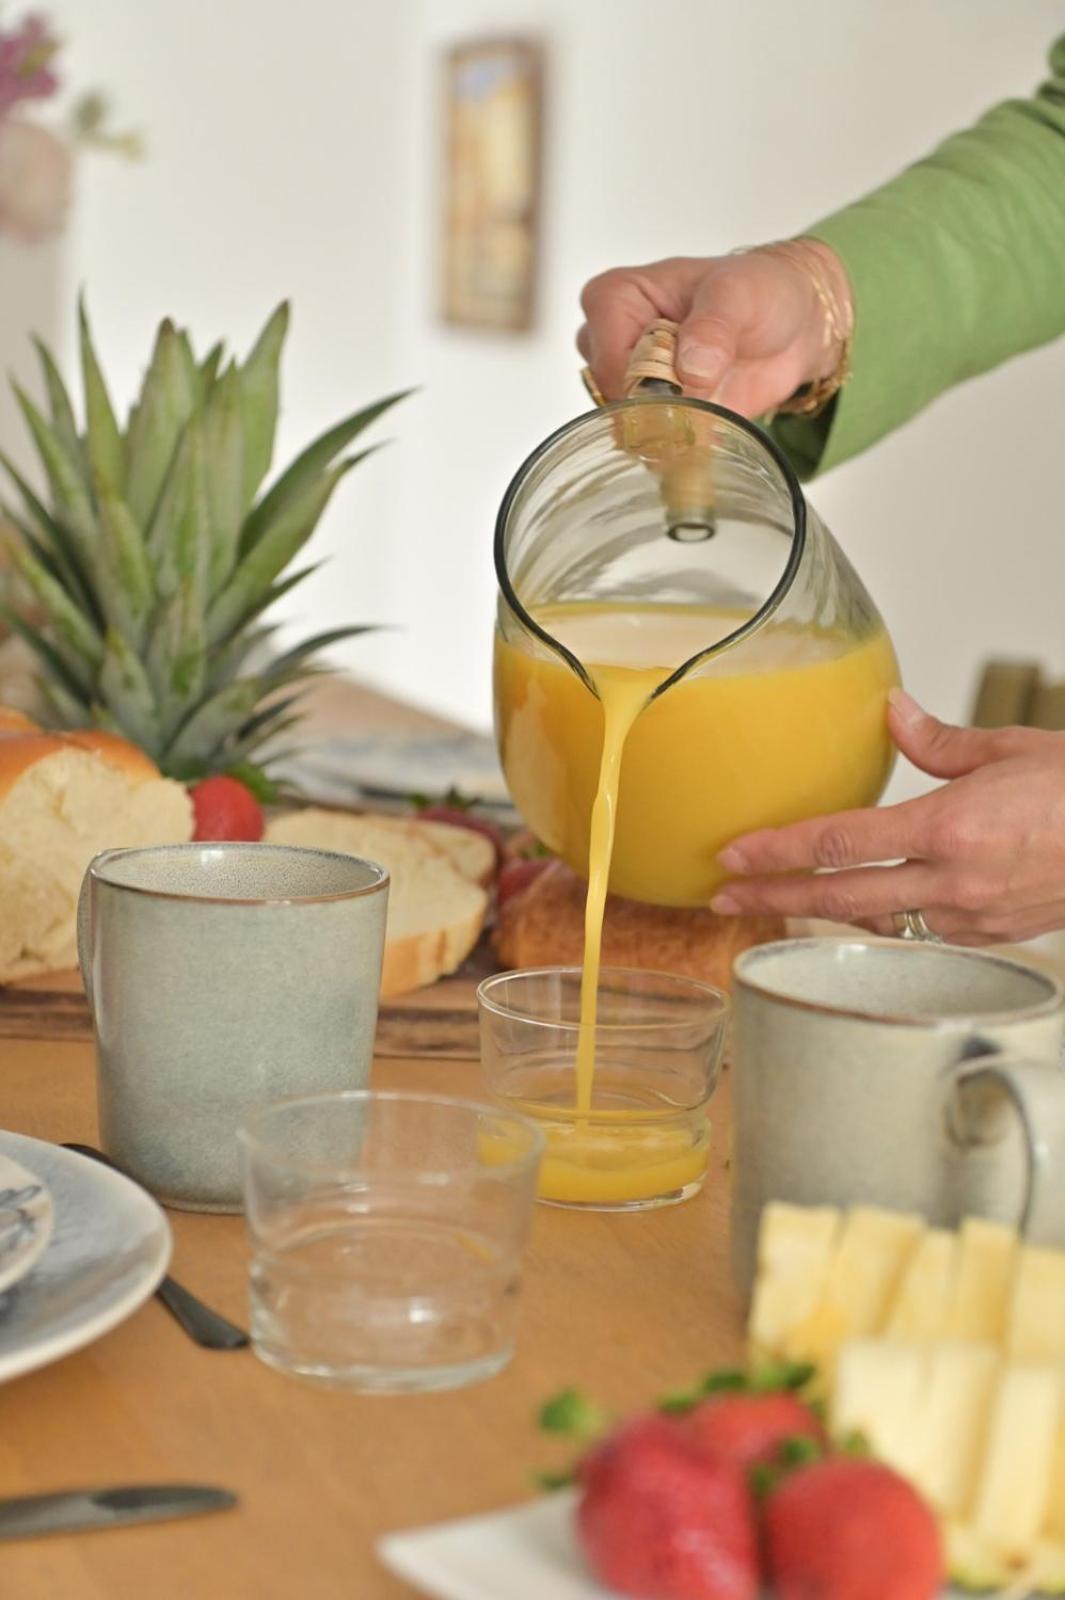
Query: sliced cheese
(1013, 1491)
(1035, 1327)
(979, 1305)
(921, 1305)
(794, 1251)
(878, 1392)
(953, 1423)
(866, 1267)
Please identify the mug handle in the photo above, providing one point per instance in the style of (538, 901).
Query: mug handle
(1036, 1091)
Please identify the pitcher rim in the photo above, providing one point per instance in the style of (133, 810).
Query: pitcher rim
(772, 601)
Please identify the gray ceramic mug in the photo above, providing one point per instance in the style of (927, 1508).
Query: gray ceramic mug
(914, 1076)
(220, 975)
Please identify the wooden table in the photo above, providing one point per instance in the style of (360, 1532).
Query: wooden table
(624, 1306)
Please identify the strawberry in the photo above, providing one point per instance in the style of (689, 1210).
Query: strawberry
(515, 876)
(661, 1520)
(226, 809)
(850, 1529)
(750, 1428)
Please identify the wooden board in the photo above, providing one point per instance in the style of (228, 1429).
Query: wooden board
(438, 1023)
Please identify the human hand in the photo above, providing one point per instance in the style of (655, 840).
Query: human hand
(983, 857)
(752, 326)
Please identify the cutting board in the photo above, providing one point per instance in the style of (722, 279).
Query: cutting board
(439, 1022)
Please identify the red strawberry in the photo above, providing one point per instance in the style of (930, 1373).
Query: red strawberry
(460, 817)
(226, 809)
(660, 1520)
(850, 1529)
(514, 876)
(750, 1428)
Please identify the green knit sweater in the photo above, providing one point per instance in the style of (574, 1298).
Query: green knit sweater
(956, 265)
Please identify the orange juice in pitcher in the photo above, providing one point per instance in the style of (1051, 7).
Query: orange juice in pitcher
(683, 655)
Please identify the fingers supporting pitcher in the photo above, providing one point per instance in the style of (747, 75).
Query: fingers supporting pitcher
(1035, 1093)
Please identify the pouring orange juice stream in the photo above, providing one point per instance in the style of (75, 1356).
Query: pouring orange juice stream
(795, 728)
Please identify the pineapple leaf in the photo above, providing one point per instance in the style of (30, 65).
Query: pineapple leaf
(275, 549)
(48, 654)
(274, 593)
(61, 541)
(180, 532)
(223, 430)
(228, 658)
(208, 369)
(127, 693)
(68, 710)
(65, 477)
(166, 402)
(204, 734)
(267, 716)
(74, 635)
(103, 440)
(254, 742)
(310, 463)
(177, 658)
(280, 667)
(260, 399)
(63, 419)
(127, 586)
(34, 543)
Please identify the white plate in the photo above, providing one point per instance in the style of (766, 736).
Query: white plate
(399, 765)
(109, 1248)
(528, 1553)
(26, 1218)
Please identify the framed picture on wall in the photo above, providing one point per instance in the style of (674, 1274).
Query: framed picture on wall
(494, 113)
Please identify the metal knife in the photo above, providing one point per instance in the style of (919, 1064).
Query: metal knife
(82, 1510)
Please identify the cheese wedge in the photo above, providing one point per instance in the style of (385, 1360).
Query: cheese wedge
(953, 1422)
(872, 1254)
(794, 1250)
(921, 1305)
(1036, 1320)
(878, 1393)
(1013, 1491)
(980, 1300)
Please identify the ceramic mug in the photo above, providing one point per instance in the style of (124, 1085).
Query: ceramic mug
(918, 1077)
(221, 975)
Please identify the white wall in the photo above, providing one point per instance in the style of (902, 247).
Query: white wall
(295, 151)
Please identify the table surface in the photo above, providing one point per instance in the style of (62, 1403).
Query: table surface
(624, 1306)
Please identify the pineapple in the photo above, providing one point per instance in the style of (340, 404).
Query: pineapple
(1037, 1309)
(157, 552)
(919, 1309)
(980, 1298)
(795, 1245)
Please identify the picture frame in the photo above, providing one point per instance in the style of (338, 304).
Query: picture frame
(492, 183)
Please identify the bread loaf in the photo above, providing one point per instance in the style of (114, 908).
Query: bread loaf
(435, 911)
(63, 799)
(543, 926)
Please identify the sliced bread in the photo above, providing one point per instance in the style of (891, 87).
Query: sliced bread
(435, 913)
(471, 853)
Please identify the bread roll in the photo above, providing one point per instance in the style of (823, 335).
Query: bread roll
(543, 926)
(435, 913)
(63, 799)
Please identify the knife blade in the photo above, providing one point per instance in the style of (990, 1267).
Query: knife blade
(30, 1516)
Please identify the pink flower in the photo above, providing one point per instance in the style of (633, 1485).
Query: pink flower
(25, 53)
(35, 180)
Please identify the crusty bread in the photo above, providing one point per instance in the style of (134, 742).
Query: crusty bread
(543, 925)
(471, 853)
(435, 913)
(63, 799)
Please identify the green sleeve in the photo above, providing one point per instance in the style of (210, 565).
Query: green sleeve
(955, 266)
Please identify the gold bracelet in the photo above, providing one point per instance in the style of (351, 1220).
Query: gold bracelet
(812, 398)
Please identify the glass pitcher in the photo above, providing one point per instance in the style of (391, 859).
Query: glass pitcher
(665, 533)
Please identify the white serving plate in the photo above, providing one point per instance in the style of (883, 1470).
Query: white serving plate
(109, 1248)
(27, 1216)
(527, 1553)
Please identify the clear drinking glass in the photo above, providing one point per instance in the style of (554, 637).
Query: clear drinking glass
(643, 1139)
(387, 1232)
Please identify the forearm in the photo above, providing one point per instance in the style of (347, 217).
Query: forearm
(954, 266)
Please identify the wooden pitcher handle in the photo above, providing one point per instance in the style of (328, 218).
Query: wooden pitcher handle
(651, 362)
